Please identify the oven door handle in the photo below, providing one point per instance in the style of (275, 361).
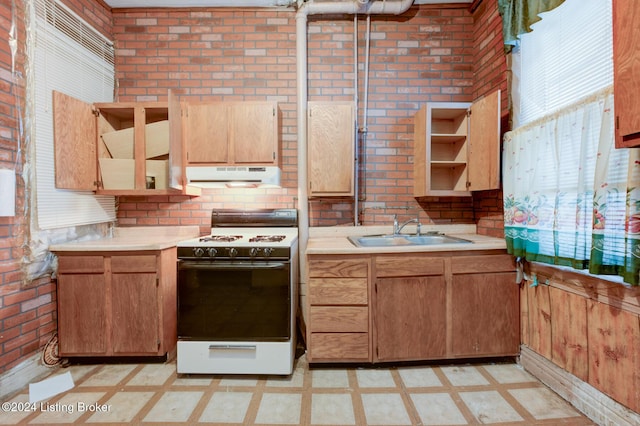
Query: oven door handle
(230, 266)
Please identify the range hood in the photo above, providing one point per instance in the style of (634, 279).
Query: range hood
(234, 177)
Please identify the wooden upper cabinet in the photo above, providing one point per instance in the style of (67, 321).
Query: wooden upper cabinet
(219, 133)
(123, 148)
(457, 147)
(626, 80)
(254, 133)
(206, 133)
(331, 149)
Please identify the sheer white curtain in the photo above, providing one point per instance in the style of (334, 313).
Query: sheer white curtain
(570, 197)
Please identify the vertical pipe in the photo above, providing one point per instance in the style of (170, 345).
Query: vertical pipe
(303, 193)
(356, 174)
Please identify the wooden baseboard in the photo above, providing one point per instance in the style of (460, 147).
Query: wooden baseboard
(21, 375)
(590, 401)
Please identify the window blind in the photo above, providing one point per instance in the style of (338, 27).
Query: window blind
(70, 57)
(567, 56)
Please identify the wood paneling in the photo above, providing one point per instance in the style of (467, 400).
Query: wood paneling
(569, 332)
(539, 319)
(614, 353)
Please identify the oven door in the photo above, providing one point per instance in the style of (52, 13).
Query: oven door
(234, 300)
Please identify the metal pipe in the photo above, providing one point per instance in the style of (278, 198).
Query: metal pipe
(356, 180)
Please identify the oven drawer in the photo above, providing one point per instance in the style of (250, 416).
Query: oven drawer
(200, 357)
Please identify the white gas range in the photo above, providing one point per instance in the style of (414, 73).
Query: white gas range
(237, 294)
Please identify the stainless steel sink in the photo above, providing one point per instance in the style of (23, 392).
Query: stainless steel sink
(390, 240)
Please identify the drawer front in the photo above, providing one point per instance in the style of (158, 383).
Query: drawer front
(339, 319)
(348, 268)
(80, 264)
(339, 347)
(141, 263)
(408, 266)
(338, 291)
(483, 264)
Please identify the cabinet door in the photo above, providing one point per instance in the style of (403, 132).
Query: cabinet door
(330, 156)
(82, 313)
(410, 318)
(134, 304)
(135, 313)
(484, 144)
(626, 82)
(485, 315)
(74, 130)
(254, 133)
(206, 132)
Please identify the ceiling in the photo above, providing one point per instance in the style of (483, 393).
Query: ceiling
(232, 3)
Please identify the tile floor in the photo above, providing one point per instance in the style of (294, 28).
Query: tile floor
(446, 394)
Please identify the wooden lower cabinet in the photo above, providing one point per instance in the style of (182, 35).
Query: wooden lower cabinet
(339, 319)
(410, 318)
(117, 304)
(485, 306)
(420, 306)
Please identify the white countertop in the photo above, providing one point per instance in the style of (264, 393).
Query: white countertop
(333, 240)
(133, 238)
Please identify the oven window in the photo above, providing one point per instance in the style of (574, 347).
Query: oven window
(235, 302)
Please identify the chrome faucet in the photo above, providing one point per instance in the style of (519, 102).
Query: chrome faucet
(397, 228)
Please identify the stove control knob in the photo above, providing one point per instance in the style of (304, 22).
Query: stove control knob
(254, 252)
(198, 251)
(267, 251)
(211, 252)
(233, 252)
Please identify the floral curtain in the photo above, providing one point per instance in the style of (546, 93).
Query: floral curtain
(519, 15)
(570, 197)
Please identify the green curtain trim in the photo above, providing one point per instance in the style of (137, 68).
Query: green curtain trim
(526, 246)
(519, 15)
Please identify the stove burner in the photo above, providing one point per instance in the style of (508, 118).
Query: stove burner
(266, 238)
(223, 238)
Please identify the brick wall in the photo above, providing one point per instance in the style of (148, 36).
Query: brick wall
(27, 311)
(221, 54)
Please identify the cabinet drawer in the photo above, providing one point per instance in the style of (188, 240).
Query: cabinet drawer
(339, 346)
(482, 264)
(339, 318)
(80, 264)
(408, 266)
(142, 263)
(338, 291)
(348, 268)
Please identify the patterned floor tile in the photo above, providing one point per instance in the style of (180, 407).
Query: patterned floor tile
(332, 409)
(227, 407)
(385, 409)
